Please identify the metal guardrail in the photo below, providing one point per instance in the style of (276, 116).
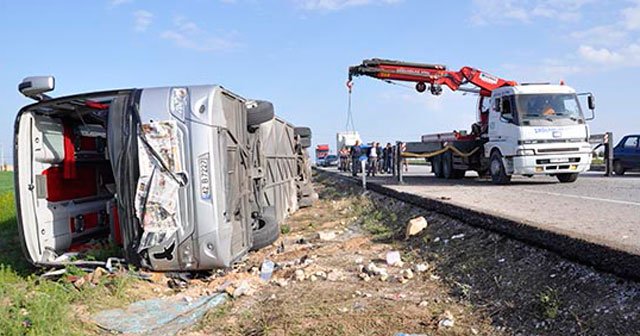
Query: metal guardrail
(606, 140)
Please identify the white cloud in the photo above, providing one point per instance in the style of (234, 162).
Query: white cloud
(116, 3)
(605, 35)
(188, 35)
(599, 55)
(614, 45)
(143, 20)
(525, 11)
(625, 56)
(334, 5)
(631, 17)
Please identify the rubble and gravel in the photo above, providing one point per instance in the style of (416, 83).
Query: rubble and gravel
(451, 279)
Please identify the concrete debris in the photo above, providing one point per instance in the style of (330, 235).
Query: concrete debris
(326, 235)
(420, 268)
(458, 236)
(92, 278)
(446, 320)
(299, 275)
(359, 260)
(358, 306)
(394, 259)
(423, 303)
(313, 278)
(474, 331)
(362, 294)
(343, 310)
(436, 239)
(321, 275)
(335, 275)
(407, 273)
(434, 277)
(280, 282)
(415, 226)
(375, 270)
(243, 288)
(384, 277)
(364, 276)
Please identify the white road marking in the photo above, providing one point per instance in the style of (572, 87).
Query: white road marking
(584, 197)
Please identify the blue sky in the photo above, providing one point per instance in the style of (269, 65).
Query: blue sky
(296, 54)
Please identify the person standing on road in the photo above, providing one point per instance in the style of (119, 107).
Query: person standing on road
(386, 158)
(379, 158)
(356, 152)
(373, 159)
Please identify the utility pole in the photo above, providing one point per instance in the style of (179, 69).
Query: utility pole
(2, 165)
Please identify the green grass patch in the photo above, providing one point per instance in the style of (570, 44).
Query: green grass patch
(6, 182)
(549, 303)
(30, 305)
(285, 228)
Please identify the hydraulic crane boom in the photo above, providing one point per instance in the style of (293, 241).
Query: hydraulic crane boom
(435, 75)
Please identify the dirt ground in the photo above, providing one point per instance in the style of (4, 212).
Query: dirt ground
(475, 282)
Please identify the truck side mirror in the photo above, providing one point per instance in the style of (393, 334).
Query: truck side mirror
(35, 87)
(591, 102)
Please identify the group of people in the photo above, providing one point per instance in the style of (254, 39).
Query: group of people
(378, 159)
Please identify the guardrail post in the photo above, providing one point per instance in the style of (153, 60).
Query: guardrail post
(393, 161)
(364, 175)
(608, 140)
(399, 162)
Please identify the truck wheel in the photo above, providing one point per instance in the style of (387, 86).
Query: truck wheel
(498, 173)
(259, 112)
(267, 232)
(567, 177)
(617, 168)
(436, 166)
(447, 165)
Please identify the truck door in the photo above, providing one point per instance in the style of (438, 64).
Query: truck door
(503, 128)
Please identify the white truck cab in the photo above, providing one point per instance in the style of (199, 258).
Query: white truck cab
(536, 129)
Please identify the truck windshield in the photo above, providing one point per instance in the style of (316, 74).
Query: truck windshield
(545, 109)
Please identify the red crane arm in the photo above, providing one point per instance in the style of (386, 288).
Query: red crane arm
(435, 75)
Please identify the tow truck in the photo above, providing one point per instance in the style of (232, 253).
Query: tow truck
(522, 128)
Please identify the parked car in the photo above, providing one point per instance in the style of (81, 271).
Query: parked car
(626, 154)
(330, 161)
(180, 178)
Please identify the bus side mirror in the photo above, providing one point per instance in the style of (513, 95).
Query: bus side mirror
(35, 87)
(497, 106)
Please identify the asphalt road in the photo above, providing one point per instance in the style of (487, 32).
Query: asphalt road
(602, 210)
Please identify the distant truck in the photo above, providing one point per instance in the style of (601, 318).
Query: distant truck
(344, 141)
(626, 154)
(321, 152)
(180, 178)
